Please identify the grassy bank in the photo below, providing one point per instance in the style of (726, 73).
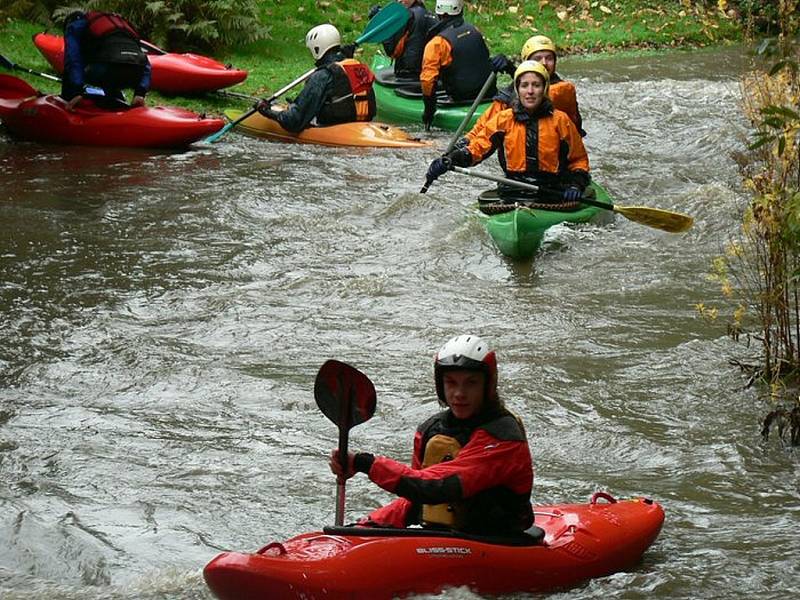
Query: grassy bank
(580, 27)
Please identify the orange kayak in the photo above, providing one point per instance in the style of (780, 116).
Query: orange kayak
(363, 134)
(570, 543)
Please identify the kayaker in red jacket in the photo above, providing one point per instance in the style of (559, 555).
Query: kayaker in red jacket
(102, 49)
(536, 143)
(339, 91)
(471, 469)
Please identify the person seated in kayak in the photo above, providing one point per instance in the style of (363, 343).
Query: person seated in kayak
(471, 469)
(102, 50)
(407, 45)
(457, 55)
(562, 92)
(536, 143)
(339, 91)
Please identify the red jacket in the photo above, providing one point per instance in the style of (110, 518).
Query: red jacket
(492, 474)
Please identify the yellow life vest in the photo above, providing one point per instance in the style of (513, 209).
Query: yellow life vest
(441, 448)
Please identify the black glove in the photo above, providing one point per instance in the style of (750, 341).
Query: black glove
(264, 107)
(429, 112)
(373, 10)
(501, 64)
(572, 194)
(349, 50)
(437, 168)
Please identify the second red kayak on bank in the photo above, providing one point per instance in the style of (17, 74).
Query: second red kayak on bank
(570, 543)
(172, 73)
(29, 115)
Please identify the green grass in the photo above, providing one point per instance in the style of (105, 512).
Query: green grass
(579, 27)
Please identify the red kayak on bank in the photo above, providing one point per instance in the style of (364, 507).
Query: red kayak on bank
(570, 543)
(172, 74)
(29, 115)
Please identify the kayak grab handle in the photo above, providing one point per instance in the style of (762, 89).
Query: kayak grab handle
(270, 546)
(604, 495)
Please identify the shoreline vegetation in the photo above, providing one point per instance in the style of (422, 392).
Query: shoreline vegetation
(583, 28)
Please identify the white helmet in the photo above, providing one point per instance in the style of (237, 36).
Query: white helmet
(469, 353)
(449, 7)
(322, 38)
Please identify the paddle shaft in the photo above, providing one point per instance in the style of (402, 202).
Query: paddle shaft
(487, 84)
(215, 136)
(15, 67)
(656, 218)
(525, 186)
(344, 434)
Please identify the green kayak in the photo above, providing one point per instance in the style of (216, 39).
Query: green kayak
(407, 109)
(518, 230)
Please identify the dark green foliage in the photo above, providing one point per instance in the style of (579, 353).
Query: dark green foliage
(761, 14)
(31, 10)
(179, 24)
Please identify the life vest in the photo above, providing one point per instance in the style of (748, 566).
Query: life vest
(353, 98)
(408, 52)
(464, 77)
(442, 448)
(111, 39)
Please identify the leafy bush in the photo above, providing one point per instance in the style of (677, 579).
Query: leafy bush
(38, 11)
(761, 14)
(180, 24)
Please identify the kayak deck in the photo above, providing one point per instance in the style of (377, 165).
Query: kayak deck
(518, 231)
(359, 134)
(576, 542)
(393, 108)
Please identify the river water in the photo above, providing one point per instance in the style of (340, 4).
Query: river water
(163, 316)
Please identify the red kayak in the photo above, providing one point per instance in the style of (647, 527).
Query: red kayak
(569, 544)
(29, 115)
(172, 74)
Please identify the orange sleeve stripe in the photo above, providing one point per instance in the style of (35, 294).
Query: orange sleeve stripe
(437, 54)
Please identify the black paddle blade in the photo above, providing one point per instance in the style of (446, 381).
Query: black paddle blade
(344, 394)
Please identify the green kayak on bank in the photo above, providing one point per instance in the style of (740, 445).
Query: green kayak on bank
(518, 230)
(407, 108)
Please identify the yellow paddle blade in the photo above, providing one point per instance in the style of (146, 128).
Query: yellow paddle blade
(656, 217)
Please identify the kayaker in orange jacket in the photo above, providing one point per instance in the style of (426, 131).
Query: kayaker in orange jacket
(339, 91)
(407, 46)
(562, 92)
(471, 469)
(457, 55)
(537, 144)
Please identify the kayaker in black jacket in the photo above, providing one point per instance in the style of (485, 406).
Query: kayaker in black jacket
(339, 91)
(471, 469)
(456, 55)
(102, 49)
(406, 47)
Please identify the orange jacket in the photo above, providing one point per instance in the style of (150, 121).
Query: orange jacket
(564, 97)
(437, 54)
(561, 93)
(559, 149)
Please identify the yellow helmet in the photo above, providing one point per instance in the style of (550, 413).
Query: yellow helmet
(536, 43)
(532, 66)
